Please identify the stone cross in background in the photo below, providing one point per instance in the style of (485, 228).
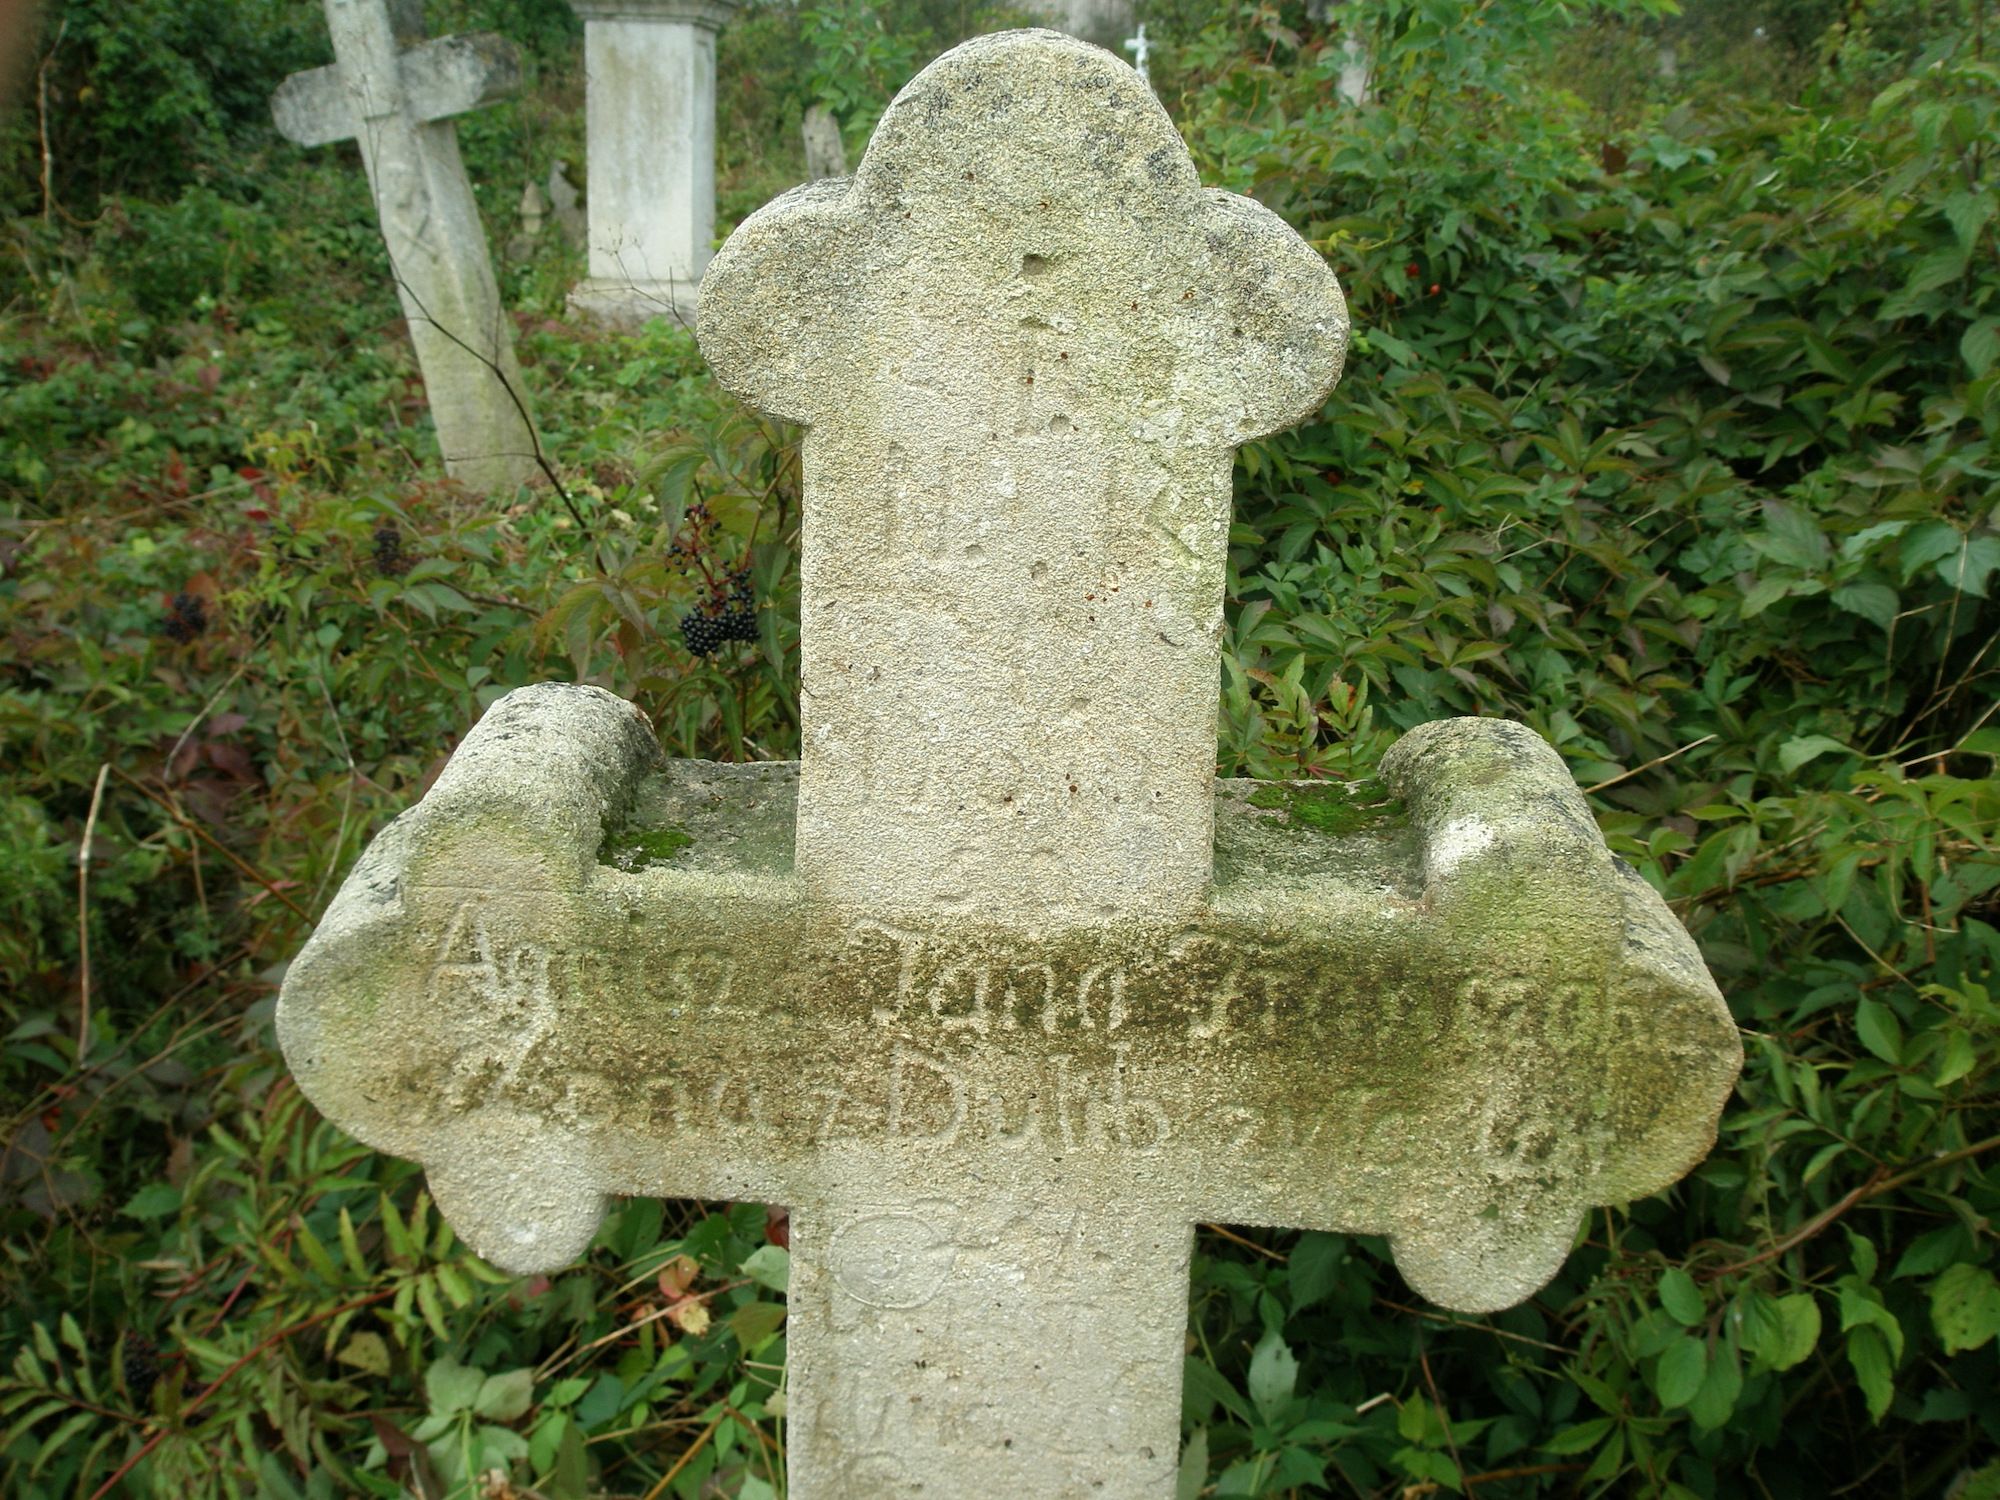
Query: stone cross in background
(1142, 53)
(649, 69)
(1104, 22)
(826, 155)
(999, 990)
(395, 94)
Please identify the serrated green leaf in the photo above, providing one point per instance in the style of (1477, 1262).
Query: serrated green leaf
(1714, 1403)
(1968, 569)
(1979, 346)
(1274, 1373)
(1874, 1370)
(1200, 1378)
(1680, 1371)
(770, 1266)
(1798, 752)
(1797, 1331)
(451, 1386)
(1580, 1438)
(1965, 1307)
(754, 1322)
(1681, 1297)
(1875, 1024)
(503, 1397)
(156, 1200)
(1192, 1477)
(368, 1352)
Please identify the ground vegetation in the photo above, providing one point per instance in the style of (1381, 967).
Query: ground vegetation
(1671, 428)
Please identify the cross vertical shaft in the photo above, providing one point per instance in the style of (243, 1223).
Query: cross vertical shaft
(1026, 341)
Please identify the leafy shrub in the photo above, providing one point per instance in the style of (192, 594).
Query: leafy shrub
(1677, 445)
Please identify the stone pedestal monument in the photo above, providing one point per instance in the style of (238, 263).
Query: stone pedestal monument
(998, 989)
(649, 71)
(396, 94)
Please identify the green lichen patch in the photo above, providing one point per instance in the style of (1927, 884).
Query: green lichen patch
(635, 849)
(1340, 809)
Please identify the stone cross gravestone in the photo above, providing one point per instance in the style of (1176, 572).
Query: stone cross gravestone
(826, 154)
(999, 990)
(1142, 54)
(649, 69)
(396, 95)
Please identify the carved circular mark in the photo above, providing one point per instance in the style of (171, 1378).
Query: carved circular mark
(891, 1260)
(1034, 265)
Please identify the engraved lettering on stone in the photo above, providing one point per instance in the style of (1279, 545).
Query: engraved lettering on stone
(914, 1080)
(961, 984)
(909, 948)
(893, 1260)
(1018, 1137)
(736, 1104)
(1153, 1127)
(1020, 998)
(518, 1006)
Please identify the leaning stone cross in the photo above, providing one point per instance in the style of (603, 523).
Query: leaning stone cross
(398, 105)
(998, 988)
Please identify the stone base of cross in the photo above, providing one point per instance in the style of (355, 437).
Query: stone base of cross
(649, 68)
(998, 989)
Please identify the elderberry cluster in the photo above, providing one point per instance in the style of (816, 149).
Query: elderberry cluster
(142, 1369)
(722, 618)
(725, 606)
(187, 617)
(390, 560)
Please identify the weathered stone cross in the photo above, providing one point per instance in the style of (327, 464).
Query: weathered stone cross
(398, 104)
(999, 990)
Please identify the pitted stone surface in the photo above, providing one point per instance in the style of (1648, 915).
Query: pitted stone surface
(1026, 341)
(998, 1063)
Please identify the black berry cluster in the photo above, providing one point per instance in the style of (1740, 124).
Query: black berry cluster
(187, 617)
(725, 605)
(142, 1369)
(704, 633)
(390, 559)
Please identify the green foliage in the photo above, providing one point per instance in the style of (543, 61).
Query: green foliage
(1678, 445)
(857, 63)
(144, 96)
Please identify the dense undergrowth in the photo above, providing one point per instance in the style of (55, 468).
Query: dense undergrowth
(1672, 429)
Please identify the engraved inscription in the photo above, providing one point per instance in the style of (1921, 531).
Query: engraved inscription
(896, 1260)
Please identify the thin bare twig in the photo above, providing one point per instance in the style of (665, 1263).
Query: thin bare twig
(681, 1463)
(83, 915)
(1658, 760)
(214, 843)
(1978, 724)
(42, 108)
(1498, 1333)
(1450, 1442)
(1881, 1182)
(347, 806)
(213, 699)
(1246, 1244)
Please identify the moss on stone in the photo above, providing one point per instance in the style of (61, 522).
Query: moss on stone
(634, 849)
(1340, 809)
